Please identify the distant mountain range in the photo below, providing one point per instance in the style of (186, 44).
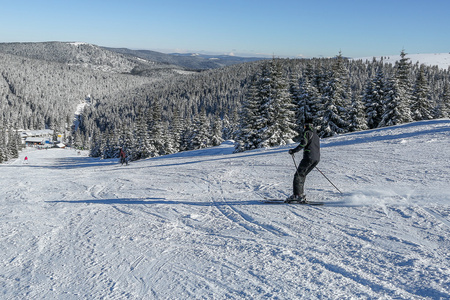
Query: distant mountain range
(192, 61)
(82, 54)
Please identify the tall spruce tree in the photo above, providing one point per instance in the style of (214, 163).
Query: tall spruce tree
(421, 106)
(95, 143)
(14, 143)
(373, 99)
(156, 128)
(200, 137)
(168, 139)
(141, 145)
(396, 109)
(216, 132)
(403, 69)
(336, 101)
(358, 120)
(176, 129)
(247, 135)
(398, 95)
(277, 109)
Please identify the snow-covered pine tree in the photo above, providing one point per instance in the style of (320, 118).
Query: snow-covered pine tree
(233, 125)
(176, 129)
(402, 73)
(168, 139)
(95, 143)
(276, 122)
(201, 135)
(335, 99)
(186, 134)
(109, 145)
(141, 146)
(216, 132)
(247, 135)
(421, 106)
(403, 68)
(14, 143)
(227, 128)
(155, 128)
(358, 120)
(77, 139)
(373, 99)
(396, 108)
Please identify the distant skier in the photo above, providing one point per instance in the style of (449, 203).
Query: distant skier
(123, 157)
(310, 144)
(25, 160)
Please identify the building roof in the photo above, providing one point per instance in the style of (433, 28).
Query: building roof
(34, 140)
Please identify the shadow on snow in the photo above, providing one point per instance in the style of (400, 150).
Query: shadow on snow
(163, 201)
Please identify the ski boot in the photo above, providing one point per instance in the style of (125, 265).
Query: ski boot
(296, 199)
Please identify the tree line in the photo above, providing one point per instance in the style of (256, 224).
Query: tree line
(335, 97)
(264, 104)
(257, 104)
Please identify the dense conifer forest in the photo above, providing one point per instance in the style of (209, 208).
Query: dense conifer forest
(151, 109)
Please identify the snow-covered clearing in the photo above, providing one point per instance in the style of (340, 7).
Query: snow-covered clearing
(190, 226)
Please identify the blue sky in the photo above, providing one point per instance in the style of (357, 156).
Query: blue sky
(281, 28)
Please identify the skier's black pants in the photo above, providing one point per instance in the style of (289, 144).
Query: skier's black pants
(306, 166)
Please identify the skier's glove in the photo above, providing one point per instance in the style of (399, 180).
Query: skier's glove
(291, 151)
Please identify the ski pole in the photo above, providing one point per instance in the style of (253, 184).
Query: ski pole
(328, 179)
(295, 164)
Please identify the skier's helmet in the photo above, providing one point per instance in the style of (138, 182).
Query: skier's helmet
(309, 123)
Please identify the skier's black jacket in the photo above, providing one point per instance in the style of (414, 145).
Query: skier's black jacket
(310, 143)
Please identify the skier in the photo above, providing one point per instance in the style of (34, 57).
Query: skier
(310, 144)
(123, 157)
(25, 161)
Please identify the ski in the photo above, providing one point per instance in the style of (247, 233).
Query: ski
(283, 201)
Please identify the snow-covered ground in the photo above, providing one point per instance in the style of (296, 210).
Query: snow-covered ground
(190, 225)
(442, 60)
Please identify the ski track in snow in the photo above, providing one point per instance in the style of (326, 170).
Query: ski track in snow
(191, 226)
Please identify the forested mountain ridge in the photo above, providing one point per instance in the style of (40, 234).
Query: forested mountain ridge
(190, 61)
(85, 55)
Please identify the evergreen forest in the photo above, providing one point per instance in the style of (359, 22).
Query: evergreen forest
(151, 108)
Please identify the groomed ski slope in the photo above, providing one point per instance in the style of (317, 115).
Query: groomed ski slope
(190, 225)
